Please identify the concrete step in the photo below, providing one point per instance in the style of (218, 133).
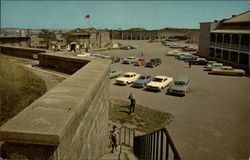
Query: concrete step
(126, 154)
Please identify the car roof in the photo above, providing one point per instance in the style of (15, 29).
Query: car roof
(182, 79)
(144, 75)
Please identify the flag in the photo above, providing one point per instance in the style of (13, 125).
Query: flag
(87, 16)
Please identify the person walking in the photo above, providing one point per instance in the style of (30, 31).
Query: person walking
(189, 63)
(113, 138)
(132, 103)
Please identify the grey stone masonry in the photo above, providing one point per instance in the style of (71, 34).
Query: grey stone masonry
(68, 122)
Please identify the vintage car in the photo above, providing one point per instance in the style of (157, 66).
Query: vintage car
(127, 78)
(173, 53)
(178, 55)
(143, 80)
(178, 46)
(213, 65)
(227, 70)
(115, 59)
(180, 86)
(199, 61)
(132, 47)
(159, 82)
(130, 60)
(140, 62)
(153, 62)
(189, 49)
(125, 47)
(114, 73)
(188, 57)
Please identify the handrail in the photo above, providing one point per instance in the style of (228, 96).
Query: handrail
(124, 138)
(155, 145)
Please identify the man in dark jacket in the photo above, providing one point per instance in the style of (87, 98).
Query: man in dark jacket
(132, 103)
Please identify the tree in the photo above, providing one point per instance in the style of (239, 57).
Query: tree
(47, 37)
(70, 38)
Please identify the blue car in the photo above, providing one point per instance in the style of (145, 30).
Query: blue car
(180, 87)
(143, 80)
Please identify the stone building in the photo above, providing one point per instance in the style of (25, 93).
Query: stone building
(227, 41)
(15, 41)
(143, 34)
(90, 39)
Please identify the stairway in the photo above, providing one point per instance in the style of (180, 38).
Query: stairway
(126, 154)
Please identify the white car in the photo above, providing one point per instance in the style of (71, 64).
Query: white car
(127, 78)
(173, 53)
(159, 82)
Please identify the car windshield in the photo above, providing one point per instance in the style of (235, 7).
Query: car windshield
(158, 79)
(142, 78)
(179, 83)
(131, 58)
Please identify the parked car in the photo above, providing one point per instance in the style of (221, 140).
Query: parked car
(159, 82)
(125, 47)
(115, 59)
(140, 62)
(177, 56)
(127, 78)
(114, 73)
(178, 46)
(227, 70)
(180, 86)
(199, 61)
(173, 53)
(132, 47)
(153, 62)
(213, 65)
(189, 49)
(143, 80)
(188, 57)
(130, 60)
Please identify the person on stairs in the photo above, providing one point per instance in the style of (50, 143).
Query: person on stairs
(113, 138)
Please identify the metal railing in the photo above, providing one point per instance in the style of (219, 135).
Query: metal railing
(155, 146)
(126, 137)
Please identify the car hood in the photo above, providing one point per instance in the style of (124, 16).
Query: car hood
(178, 87)
(123, 78)
(154, 84)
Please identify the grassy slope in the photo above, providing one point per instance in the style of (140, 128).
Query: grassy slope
(144, 119)
(18, 88)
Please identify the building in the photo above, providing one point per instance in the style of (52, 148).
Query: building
(143, 34)
(227, 41)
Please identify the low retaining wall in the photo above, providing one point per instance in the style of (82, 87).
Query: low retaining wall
(62, 63)
(30, 53)
(68, 122)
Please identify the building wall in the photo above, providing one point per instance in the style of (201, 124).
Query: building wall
(15, 41)
(67, 123)
(30, 53)
(204, 40)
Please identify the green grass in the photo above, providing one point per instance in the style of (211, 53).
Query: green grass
(144, 119)
(18, 88)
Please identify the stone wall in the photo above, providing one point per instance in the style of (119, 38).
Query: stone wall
(68, 122)
(30, 53)
(62, 63)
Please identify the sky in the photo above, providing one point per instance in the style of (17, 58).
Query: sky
(115, 14)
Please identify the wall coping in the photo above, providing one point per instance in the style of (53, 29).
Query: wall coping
(47, 119)
(24, 48)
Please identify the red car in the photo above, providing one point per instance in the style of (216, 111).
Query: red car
(189, 49)
(140, 62)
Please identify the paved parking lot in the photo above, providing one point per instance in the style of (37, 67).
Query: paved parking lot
(211, 121)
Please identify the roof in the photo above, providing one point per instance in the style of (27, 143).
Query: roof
(231, 31)
(182, 79)
(244, 17)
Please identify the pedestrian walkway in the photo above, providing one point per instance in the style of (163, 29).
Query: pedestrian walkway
(126, 154)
